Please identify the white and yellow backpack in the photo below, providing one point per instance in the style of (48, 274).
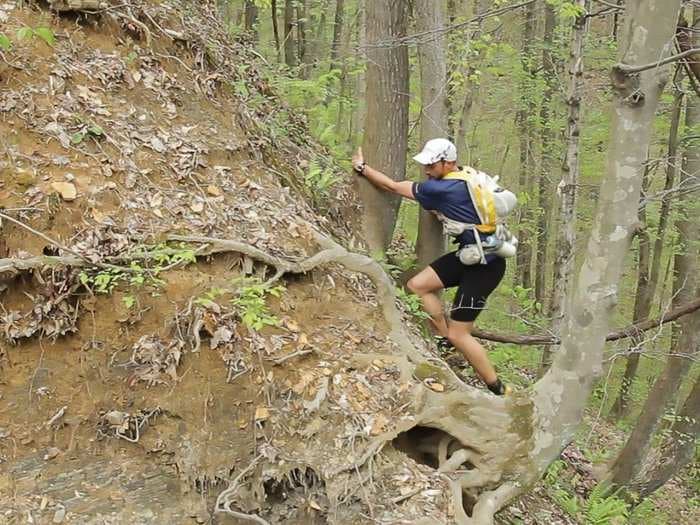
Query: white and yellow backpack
(493, 204)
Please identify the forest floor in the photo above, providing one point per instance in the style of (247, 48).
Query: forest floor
(143, 403)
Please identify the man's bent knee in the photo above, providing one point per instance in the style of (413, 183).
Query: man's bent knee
(425, 282)
(414, 286)
(457, 330)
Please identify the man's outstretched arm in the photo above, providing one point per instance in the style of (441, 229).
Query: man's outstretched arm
(403, 188)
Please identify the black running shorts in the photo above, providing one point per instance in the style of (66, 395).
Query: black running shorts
(476, 282)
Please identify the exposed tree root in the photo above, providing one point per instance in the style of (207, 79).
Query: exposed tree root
(482, 444)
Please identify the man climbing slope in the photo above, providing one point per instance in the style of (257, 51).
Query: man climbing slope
(447, 194)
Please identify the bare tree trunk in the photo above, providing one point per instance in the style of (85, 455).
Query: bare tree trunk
(275, 28)
(566, 238)
(251, 18)
(343, 80)
(616, 21)
(547, 157)
(471, 88)
(337, 32)
(522, 119)
(386, 125)
(289, 44)
(302, 33)
(642, 307)
(646, 289)
(666, 196)
(686, 340)
(449, 103)
(430, 15)
(358, 116)
(678, 449)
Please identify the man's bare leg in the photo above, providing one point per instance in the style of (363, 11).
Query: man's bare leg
(424, 284)
(460, 336)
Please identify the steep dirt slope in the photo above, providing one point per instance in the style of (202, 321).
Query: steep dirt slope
(143, 404)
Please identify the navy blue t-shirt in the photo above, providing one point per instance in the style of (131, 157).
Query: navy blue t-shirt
(451, 198)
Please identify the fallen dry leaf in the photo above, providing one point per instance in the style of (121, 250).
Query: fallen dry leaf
(261, 414)
(66, 190)
(214, 191)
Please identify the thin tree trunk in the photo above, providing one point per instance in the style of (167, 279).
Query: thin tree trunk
(275, 28)
(686, 339)
(386, 125)
(642, 307)
(337, 32)
(343, 80)
(289, 43)
(547, 157)
(647, 284)
(616, 21)
(666, 197)
(566, 238)
(430, 15)
(471, 88)
(302, 17)
(358, 116)
(522, 119)
(251, 18)
(449, 103)
(678, 449)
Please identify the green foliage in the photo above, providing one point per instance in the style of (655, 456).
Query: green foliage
(568, 502)
(604, 509)
(411, 303)
(567, 9)
(105, 280)
(646, 513)
(251, 298)
(43, 33)
(555, 470)
(102, 281)
(209, 297)
(129, 301)
(320, 181)
(88, 130)
(5, 43)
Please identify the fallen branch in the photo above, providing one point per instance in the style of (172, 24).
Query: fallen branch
(628, 331)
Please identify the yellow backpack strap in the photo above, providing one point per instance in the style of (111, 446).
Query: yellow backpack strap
(483, 200)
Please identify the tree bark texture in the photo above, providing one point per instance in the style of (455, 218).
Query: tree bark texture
(290, 51)
(251, 18)
(430, 15)
(471, 89)
(275, 28)
(386, 124)
(686, 340)
(524, 126)
(678, 449)
(337, 32)
(302, 33)
(561, 395)
(642, 308)
(547, 156)
(647, 285)
(566, 235)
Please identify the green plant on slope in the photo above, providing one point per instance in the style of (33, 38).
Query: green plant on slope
(251, 300)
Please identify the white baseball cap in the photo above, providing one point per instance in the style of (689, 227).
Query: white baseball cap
(436, 150)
